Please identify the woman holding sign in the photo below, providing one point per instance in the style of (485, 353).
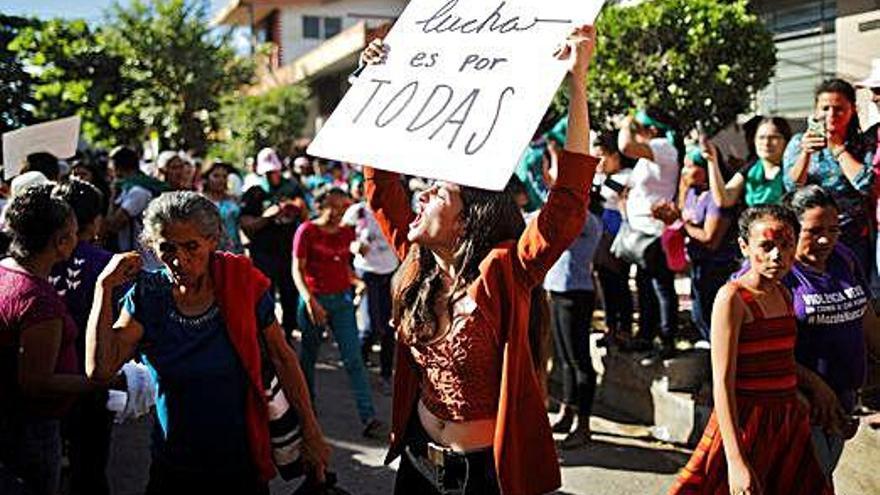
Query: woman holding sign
(469, 414)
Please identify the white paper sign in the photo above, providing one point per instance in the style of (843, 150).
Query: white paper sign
(59, 137)
(465, 85)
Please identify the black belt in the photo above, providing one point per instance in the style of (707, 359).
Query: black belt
(448, 470)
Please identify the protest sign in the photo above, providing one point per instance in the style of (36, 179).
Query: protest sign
(465, 85)
(59, 137)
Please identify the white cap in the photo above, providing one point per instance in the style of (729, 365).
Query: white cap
(26, 180)
(165, 157)
(268, 161)
(873, 79)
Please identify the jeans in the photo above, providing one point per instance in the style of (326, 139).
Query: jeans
(707, 278)
(379, 306)
(657, 303)
(617, 298)
(572, 313)
(31, 450)
(340, 316)
(278, 269)
(477, 478)
(89, 427)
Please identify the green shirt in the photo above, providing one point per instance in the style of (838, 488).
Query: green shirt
(760, 190)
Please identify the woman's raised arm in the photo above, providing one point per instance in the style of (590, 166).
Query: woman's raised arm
(562, 218)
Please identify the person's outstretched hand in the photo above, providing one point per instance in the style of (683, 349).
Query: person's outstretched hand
(375, 53)
(578, 48)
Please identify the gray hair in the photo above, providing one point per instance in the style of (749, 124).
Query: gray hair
(181, 206)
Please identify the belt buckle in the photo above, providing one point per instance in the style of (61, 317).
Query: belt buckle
(437, 454)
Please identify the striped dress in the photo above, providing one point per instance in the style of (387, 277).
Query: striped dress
(773, 424)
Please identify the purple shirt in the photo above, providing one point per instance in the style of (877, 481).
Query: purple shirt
(698, 206)
(75, 281)
(829, 307)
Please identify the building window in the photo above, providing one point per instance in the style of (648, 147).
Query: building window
(332, 26)
(311, 27)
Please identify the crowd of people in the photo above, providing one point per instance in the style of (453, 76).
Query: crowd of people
(167, 275)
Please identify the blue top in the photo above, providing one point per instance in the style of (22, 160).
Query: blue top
(826, 172)
(200, 380)
(574, 269)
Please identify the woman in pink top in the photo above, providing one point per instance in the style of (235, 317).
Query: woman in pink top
(324, 277)
(38, 361)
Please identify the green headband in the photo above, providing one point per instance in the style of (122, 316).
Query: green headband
(696, 155)
(646, 120)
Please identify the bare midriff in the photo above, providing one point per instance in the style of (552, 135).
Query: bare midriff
(460, 436)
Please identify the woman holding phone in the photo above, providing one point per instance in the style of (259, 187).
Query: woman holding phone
(831, 154)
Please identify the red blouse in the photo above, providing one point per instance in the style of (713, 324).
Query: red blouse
(461, 372)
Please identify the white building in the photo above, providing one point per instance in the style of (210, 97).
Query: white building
(313, 41)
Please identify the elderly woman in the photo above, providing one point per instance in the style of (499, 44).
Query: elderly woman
(831, 154)
(39, 372)
(200, 325)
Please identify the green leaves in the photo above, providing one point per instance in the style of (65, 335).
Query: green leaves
(698, 60)
(249, 123)
(151, 65)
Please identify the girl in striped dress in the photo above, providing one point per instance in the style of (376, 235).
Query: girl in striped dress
(758, 438)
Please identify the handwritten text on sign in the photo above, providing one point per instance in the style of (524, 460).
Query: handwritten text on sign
(465, 85)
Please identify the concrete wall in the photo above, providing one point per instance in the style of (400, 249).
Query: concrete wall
(351, 11)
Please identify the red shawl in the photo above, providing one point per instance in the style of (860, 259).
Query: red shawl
(238, 287)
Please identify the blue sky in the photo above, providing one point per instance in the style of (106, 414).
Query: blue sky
(85, 9)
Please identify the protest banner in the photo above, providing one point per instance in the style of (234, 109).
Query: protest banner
(464, 87)
(59, 137)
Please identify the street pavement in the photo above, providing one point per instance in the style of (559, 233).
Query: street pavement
(621, 460)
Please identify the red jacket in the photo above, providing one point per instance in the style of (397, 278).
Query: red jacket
(525, 457)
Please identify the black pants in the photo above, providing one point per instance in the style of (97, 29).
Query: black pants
(478, 479)
(88, 427)
(572, 313)
(617, 298)
(278, 269)
(170, 480)
(658, 303)
(379, 307)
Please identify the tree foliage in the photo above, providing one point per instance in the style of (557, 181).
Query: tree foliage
(250, 123)
(150, 66)
(178, 66)
(15, 82)
(701, 61)
(74, 73)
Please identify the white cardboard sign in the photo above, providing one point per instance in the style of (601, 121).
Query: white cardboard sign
(59, 137)
(465, 85)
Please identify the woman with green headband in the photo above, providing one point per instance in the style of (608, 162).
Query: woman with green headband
(761, 183)
(711, 242)
(650, 137)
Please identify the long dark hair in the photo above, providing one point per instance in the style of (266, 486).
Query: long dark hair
(845, 89)
(488, 219)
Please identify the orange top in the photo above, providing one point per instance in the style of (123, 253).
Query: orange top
(461, 372)
(525, 457)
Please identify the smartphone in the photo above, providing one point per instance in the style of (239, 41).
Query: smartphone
(816, 126)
